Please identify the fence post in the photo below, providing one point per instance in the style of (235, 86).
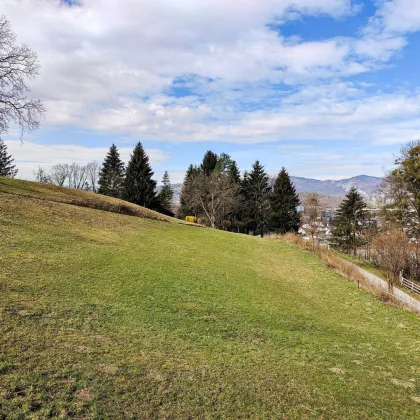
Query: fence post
(401, 278)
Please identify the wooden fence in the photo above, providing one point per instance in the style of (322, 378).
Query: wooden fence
(415, 288)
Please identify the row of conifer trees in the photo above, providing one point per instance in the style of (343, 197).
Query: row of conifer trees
(249, 203)
(135, 182)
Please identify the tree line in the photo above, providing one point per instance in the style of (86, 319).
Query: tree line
(217, 194)
(133, 183)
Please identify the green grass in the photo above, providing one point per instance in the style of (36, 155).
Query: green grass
(366, 265)
(104, 315)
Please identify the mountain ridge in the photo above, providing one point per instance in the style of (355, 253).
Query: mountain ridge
(366, 184)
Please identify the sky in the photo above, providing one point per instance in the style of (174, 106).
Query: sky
(326, 88)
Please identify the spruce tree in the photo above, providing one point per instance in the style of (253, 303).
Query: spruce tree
(209, 162)
(234, 172)
(257, 199)
(139, 187)
(166, 193)
(6, 162)
(284, 202)
(349, 222)
(185, 202)
(111, 175)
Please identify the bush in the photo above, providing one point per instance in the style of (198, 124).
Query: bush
(390, 251)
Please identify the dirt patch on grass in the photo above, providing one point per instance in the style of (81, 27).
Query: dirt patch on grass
(108, 368)
(405, 384)
(84, 395)
(337, 371)
(155, 375)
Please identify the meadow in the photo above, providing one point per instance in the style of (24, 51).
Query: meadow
(110, 315)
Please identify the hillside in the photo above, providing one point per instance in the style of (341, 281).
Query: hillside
(106, 315)
(55, 194)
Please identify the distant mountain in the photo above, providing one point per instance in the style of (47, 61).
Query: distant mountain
(367, 185)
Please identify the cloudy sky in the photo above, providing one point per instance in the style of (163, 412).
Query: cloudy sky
(327, 88)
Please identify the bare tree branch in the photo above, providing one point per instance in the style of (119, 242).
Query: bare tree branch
(17, 65)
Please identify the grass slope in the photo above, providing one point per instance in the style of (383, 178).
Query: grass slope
(53, 193)
(105, 315)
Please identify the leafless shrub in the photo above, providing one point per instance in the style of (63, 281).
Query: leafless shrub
(390, 252)
(41, 175)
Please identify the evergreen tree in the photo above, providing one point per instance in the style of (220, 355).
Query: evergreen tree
(139, 187)
(234, 172)
(185, 201)
(6, 162)
(166, 194)
(209, 162)
(284, 200)
(111, 175)
(350, 221)
(234, 218)
(257, 199)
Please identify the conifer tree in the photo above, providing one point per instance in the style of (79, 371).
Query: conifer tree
(111, 175)
(139, 187)
(186, 207)
(284, 202)
(6, 162)
(209, 162)
(166, 193)
(350, 221)
(257, 199)
(234, 172)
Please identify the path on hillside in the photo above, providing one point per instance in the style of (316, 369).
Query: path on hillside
(377, 281)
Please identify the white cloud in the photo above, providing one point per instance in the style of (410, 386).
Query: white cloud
(397, 16)
(108, 65)
(102, 57)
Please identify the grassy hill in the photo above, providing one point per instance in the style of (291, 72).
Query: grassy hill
(107, 315)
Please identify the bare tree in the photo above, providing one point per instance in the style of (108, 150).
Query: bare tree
(92, 169)
(59, 173)
(312, 214)
(214, 195)
(413, 261)
(77, 177)
(17, 65)
(390, 252)
(41, 175)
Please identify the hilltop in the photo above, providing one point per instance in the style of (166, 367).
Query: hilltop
(110, 315)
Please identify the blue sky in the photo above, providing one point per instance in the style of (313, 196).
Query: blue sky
(327, 88)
